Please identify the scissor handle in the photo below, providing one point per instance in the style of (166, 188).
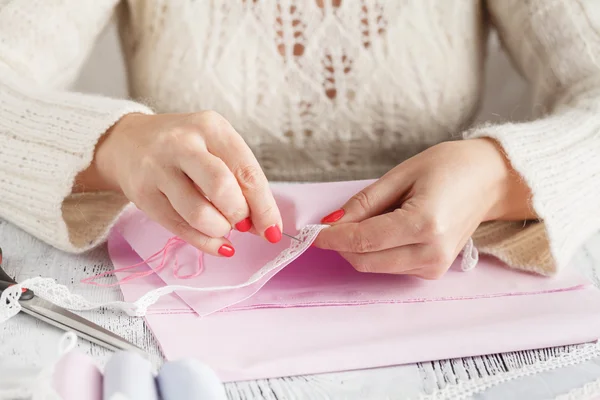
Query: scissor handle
(6, 281)
(4, 276)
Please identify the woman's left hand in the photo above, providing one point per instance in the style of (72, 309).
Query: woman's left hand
(416, 219)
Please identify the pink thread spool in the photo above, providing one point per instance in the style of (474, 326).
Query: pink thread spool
(76, 377)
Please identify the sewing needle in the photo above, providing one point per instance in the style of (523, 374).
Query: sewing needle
(291, 237)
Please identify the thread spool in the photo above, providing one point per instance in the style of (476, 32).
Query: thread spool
(129, 375)
(77, 377)
(189, 379)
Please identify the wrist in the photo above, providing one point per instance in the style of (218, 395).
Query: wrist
(511, 197)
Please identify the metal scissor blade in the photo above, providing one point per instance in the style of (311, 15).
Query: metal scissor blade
(68, 321)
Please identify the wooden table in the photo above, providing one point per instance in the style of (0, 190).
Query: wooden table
(26, 341)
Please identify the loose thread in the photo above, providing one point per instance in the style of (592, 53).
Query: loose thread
(164, 251)
(172, 242)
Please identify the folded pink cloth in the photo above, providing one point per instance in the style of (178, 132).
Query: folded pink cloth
(309, 311)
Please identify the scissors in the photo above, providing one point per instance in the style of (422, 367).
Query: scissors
(64, 319)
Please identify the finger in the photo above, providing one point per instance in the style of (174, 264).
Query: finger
(216, 181)
(225, 143)
(373, 200)
(418, 260)
(399, 260)
(382, 232)
(158, 207)
(195, 209)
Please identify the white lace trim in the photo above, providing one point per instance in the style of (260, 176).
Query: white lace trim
(470, 256)
(590, 391)
(60, 295)
(467, 389)
(48, 289)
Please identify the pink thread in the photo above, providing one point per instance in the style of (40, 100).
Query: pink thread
(172, 242)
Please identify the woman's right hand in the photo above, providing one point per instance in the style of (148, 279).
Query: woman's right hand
(193, 174)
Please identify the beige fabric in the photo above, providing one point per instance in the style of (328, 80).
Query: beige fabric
(320, 90)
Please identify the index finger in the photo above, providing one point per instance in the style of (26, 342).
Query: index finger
(231, 148)
(382, 232)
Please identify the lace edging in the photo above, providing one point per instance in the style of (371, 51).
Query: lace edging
(470, 256)
(466, 389)
(60, 295)
(589, 391)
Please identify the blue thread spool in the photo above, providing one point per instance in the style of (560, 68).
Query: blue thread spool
(189, 379)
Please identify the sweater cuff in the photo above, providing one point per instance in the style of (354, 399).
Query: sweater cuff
(559, 158)
(523, 246)
(47, 138)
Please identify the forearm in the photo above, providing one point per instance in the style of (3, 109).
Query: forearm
(48, 138)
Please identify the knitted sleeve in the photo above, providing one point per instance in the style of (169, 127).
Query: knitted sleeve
(556, 46)
(48, 135)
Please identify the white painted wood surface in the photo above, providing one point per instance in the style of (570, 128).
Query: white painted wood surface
(25, 341)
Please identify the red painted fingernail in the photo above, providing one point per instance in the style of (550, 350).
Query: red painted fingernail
(333, 217)
(273, 234)
(226, 250)
(244, 225)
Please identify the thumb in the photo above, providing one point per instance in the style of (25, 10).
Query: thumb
(377, 198)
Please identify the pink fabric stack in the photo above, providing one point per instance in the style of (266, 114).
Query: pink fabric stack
(314, 313)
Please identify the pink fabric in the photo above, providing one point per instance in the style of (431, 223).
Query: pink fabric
(145, 236)
(321, 277)
(162, 255)
(317, 314)
(122, 256)
(275, 342)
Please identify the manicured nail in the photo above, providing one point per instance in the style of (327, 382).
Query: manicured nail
(273, 234)
(333, 217)
(244, 225)
(226, 250)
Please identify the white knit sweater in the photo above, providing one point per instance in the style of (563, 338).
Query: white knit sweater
(320, 90)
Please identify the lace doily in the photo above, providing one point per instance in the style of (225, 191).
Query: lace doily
(467, 389)
(590, 391)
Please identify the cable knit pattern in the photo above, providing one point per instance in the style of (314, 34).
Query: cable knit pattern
(48, 135)
(319, 89)
(309, 83)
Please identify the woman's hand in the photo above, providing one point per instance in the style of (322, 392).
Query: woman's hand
(416, 219)
(192, 173)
